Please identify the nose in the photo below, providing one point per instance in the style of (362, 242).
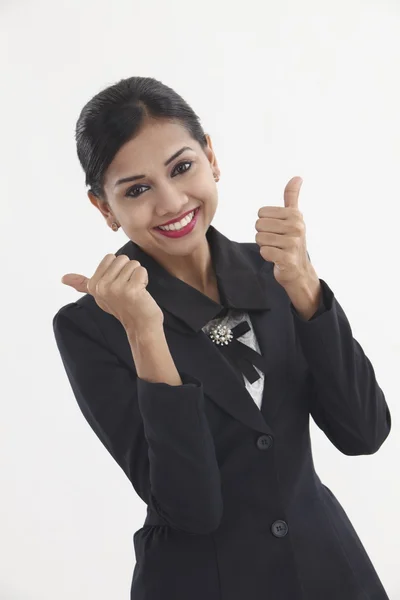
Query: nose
(170, 202)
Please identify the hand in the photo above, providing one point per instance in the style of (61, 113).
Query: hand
(282, 237)
(119, 288)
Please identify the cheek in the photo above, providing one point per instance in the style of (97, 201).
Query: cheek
(205, 190)
(138, 217)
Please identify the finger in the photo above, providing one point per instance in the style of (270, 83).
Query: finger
(102, 268)
(275, 240)
(271, 254)
(138, 275)
(292, 191)
(106, 268)
(79, 282)
(272, 225)
(128, 272)
(121, 267)
(273, 212)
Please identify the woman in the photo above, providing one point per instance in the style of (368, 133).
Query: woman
(198, 361)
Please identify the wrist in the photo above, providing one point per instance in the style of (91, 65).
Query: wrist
(145, 333)
(305, 295)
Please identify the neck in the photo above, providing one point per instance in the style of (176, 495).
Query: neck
(195, 269)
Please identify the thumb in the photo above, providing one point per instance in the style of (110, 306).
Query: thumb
(292, 191)
(78, 282)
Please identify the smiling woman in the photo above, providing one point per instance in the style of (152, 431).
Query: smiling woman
(208, 411)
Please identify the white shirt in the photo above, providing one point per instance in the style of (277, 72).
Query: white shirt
(233, 318)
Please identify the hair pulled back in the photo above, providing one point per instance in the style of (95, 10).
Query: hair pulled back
(116, 114)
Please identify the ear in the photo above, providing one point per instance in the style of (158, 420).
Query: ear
(209, 151)
(100, 204)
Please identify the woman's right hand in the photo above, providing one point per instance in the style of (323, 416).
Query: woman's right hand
(119, 287)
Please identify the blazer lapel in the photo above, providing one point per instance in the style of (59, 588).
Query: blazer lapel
(273, 347)
(197, 355)
(246, 284)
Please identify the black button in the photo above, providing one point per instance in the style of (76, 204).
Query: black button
(264, 442)
(279, 528)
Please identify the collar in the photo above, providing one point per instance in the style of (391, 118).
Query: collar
(239, 270)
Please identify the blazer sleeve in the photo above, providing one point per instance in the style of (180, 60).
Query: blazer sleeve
(157, 433)
(346, 401)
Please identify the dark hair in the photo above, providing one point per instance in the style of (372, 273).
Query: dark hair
(116, 114)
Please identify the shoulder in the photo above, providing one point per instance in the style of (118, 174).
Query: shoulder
(71, 311)
(84, 317)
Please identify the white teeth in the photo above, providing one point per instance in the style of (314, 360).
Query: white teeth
(177, 226)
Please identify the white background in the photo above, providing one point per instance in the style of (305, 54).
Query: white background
(303, 88)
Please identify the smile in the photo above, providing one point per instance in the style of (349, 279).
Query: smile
(180, 228)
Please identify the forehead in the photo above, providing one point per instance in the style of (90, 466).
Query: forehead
(149, 149)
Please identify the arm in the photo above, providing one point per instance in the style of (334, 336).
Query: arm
(346, 401)
(156, 430)
(152, 358)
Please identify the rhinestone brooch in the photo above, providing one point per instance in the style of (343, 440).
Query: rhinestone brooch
(220, 334)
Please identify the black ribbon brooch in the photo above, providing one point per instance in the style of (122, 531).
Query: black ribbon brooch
(240, 354)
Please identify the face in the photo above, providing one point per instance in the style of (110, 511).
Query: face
(163, 192)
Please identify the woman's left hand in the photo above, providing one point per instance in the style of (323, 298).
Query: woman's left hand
(282, 237)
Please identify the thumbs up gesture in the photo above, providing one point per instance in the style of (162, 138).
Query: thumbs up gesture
(282, 237)
(119, 287)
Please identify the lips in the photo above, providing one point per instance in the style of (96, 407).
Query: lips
(173, 233)
(178, 219)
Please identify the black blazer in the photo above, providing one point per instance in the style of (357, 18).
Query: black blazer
(235, 509)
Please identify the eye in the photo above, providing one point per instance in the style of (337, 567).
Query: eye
(188, 162)
(134, 188)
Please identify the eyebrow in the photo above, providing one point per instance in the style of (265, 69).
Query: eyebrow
(135, 177)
